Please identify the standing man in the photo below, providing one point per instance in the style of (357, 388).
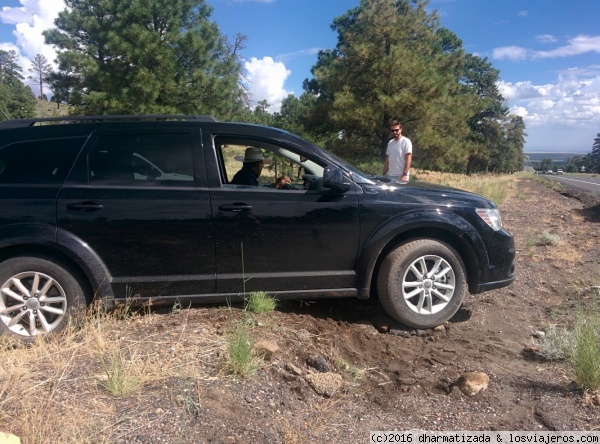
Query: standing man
(398, 155)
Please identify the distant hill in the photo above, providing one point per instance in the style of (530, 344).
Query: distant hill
(556, 157)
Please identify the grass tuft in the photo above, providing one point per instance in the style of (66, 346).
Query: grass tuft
(241, 359)
(557, 345)
(585, 359)
(579, 346)
(120, 377)
(356, 373)
(546, 238)
(260, 302)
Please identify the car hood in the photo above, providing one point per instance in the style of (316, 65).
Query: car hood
(424, 193)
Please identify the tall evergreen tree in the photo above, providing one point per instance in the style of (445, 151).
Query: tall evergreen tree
(593, 158)
(293, 115)
(9, 67)
(514, 159)
(40, 68)
(390, 62)
(486, 136)
(17, 101)
(145, 56)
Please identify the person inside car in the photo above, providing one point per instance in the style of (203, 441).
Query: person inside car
(254, 162)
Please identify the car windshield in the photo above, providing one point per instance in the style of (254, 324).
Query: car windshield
(357, 175)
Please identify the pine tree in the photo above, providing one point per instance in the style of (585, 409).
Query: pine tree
(40, 68)
(593, 158)
(17, 101)
(394, 60)
(145, 56)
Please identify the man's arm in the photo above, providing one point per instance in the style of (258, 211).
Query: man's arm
(386, 165)
(407, 162)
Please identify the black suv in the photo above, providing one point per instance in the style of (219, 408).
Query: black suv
(142, 208)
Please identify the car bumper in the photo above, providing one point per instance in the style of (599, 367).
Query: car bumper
(499, 272)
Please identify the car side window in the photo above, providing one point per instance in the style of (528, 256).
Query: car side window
(280, 161)
(142, 159)
(45, 161)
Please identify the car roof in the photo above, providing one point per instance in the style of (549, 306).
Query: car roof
(20, 123)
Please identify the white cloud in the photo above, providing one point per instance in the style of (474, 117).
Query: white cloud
(545, 38)
(555, 113)
(576, 46)
(510, 52)
(523, 13)
(518, 111)
(523, 90)
(266, 79)
(30, 20)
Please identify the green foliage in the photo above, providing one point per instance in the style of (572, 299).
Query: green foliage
(17, 101)
(393, 60)
(546, 165)
(260, 302)
(585, 359)
(356, 372)
(558, 344)
(592, 160)
(386, 66)
(579, 346)
(241, 359)
(144, 56)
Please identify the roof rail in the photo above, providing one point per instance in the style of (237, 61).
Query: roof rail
(19, 123)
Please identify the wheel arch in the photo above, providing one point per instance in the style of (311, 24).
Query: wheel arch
(71, 253)
(458, 234)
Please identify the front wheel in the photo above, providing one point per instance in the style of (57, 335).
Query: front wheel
(422, 283)
(37, 296)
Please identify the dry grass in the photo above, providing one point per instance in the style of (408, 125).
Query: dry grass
(496, 187)
(79, 375)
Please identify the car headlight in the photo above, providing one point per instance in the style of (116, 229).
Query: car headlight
(490, 216)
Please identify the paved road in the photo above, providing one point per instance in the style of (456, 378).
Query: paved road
(579, 181)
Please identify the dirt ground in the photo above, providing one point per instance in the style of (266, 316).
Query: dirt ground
(396, 380)
(400, 381)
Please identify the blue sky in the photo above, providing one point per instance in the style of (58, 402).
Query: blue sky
(547, 51)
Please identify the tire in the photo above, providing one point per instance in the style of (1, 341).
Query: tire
(422, 283)
(38, 297)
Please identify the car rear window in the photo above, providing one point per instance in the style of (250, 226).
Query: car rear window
(142, 159)
(45, 161)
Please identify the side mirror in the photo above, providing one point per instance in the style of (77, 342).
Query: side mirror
(333, 178)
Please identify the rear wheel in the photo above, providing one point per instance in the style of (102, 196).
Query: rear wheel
(422, 283)
(37, 297)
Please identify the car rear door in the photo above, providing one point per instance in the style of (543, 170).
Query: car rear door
(153, 232)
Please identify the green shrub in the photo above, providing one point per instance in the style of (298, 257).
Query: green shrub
(585, 359)
(241, 359)
(546, 238)
(260, 302)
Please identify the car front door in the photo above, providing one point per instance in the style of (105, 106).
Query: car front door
(298, 242)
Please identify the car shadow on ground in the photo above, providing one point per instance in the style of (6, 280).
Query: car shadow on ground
(347, 310)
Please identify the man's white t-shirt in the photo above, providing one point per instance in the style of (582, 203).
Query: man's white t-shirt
(396, 151)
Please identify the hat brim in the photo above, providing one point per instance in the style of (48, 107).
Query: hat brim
(265, 160)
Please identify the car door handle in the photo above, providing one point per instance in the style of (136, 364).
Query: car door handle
(85, 206)
(236, 207)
